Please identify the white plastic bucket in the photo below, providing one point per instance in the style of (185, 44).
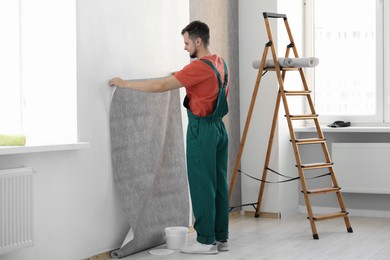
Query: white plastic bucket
(176, 237)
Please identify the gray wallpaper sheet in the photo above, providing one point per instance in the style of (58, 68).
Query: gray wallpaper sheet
(148, 164)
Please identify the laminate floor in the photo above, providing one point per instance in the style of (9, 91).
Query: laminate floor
(291, 238)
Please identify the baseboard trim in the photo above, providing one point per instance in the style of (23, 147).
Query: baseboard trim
(235, 214)
(102, 256)
(274, 215)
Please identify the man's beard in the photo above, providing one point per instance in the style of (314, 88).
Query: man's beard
(194, 54)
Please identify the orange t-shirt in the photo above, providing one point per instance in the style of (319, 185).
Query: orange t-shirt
(202, 84)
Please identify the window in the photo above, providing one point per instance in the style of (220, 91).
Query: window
(348, 36)
(10, 96)
(38, 70)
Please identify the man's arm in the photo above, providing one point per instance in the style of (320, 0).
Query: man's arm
(153, 85)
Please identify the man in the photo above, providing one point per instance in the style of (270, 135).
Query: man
(206, 83)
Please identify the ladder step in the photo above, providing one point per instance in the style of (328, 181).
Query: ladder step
(323, 190)
(312, 166)
(297, 92)
(329, 216)
(303, 117)
(310, 141)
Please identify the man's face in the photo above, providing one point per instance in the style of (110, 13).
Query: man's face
(190, 46)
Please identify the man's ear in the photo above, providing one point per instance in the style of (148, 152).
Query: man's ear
(198, 41)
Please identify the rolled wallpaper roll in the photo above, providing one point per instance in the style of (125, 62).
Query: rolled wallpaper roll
(12, 140)
(288, 63)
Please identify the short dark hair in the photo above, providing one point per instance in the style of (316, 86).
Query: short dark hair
(197, 29)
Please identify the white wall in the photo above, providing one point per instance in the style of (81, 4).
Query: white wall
(253, 37)
(77, 213)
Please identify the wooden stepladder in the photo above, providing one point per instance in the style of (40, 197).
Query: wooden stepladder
(303, 168)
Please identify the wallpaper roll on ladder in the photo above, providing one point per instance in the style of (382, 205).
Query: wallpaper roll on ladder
(12, 140)
(288, 63)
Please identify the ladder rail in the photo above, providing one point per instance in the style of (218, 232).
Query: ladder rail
(282, 96)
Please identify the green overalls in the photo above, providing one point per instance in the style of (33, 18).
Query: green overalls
(207, 155)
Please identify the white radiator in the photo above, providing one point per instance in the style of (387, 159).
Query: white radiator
(362, 167)
(16, 209)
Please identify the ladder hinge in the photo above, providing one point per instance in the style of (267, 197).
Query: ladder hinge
(290, 45)
(268, 44)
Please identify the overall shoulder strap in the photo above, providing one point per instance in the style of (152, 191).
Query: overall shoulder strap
(217, 72)
(226, 73)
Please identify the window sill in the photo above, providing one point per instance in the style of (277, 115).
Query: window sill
(5, 150)
(349, 129)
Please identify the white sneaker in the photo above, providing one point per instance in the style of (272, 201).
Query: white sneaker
(223, 245)
(199, 248)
